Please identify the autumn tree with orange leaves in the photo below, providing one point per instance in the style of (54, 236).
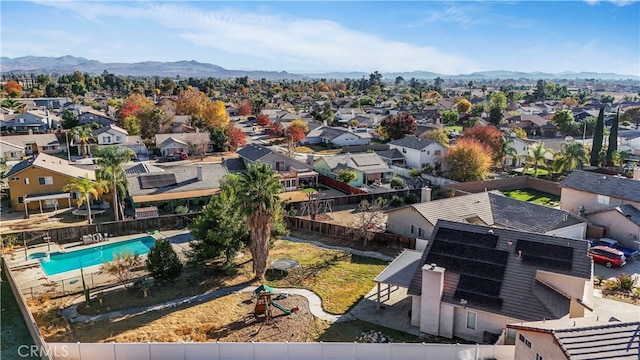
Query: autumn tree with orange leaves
(244, 110)
(489, 136)
(275, 129)
(263, 120)
(236, 137)
(134, 105)
(469, 160)
(214, 115)
(463, 106)
(13, 89)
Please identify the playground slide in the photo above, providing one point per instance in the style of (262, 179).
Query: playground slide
(281, 308)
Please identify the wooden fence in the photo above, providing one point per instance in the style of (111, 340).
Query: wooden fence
(345, 188)
(345, 232)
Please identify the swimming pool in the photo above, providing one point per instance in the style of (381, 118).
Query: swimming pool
(74, 260)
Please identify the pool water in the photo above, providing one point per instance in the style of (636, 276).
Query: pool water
(74, 260)
(38, 255)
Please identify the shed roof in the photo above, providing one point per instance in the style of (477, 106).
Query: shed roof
(595, 183)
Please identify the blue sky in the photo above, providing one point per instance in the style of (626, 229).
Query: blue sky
(448, 37)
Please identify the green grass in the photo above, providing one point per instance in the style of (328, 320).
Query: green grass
(533, 196)
(454, 128)
(309, 190)
(541, 172)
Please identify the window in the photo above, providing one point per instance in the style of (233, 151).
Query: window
(413, 229)
(525, 341)
(26, 181)
(21, 120)
(106, 139)
(118, 138)
(13, 155)
(279, 165)
(428, 152)
(437, 152)
(45, 180)
(21, 200)
(539, 357)
(404, 151)
(420, 232)
(603, 200)
(472, 318)
(14, 178)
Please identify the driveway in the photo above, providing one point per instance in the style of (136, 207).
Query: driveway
(631, 268)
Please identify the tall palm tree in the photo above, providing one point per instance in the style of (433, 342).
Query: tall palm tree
(86, 188)
(573, 156)
(110, 160)
(83, 134)
(536, 159)
(259, 201)
(507, 150)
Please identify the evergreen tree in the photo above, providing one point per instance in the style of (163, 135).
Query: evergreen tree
(598, 134)
(613, 139)
(163, 262)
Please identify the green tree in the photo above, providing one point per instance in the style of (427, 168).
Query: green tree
(439, 136)
(69, 120)
(86, 188)
(110, 160)
(563, 120)
(398, 126)
(83, 135)
(632, 115)
(449, 117)
(613, 139)
(507, 150)
(497, 104)
(536, 159)
(258, 191)
(220, 230)
(572, 156)
(163, 262)
(598, 135)
(346, 176)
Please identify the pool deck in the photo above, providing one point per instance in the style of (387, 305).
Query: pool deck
(31, 278)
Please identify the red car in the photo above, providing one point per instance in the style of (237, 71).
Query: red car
(608, 256)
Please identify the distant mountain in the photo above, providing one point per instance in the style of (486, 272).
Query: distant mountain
(69, 64)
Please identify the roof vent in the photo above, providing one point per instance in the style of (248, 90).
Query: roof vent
(433, 266)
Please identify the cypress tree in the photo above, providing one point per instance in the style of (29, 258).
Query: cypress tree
(613, 139)
(598, 134)
(163, 262)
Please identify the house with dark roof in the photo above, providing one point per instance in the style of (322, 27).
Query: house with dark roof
(337, 136)
(32, 120)
(630, 141)
(369, 167)
(472, 280)
(595, 337)
(167, 187)
(392, 157)
(291, 171)
(486, 208)
(190, 143)
(419, 152)
(612, 202)
(534, 125)
(90, 116)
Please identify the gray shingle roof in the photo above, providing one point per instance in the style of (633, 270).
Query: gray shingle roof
(617, 187)
(412, 142)
(142, 168)
(390, 154)
(368, 163)
(186, 177)
(254, 152)
(518, 295)
(627, 210)
(611, 341)
(235, 165)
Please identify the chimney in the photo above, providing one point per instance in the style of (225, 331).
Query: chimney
(425, 194)
(310, 159)
(347, 159)
(636, 173)
(199, 172)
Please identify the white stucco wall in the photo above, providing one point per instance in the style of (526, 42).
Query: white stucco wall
(485, 322)
(399, 222)
(571, 200)
(541, 343)
(618, 227)
(577, 231)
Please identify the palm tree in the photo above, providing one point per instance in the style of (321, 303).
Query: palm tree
(572, 156)
(111, 159)
(83, 134)
(259, 201)
(507, 150)
(536, 159)
(86, 187)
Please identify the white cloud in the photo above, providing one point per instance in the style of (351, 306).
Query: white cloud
(615, 2)
(309, 43)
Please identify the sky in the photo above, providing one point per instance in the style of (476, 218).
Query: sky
(446, 37)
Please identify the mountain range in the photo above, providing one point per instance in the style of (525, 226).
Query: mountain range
(69, 64)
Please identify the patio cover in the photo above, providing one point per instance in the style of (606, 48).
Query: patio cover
(39, 197)
(174, 195)
(399, 272)
(146, 212)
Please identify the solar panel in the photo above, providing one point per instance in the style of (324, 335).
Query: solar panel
(479, 285)
(467, 266)
(547, 255)
(467, 237)
(153, 181)
(493, 256)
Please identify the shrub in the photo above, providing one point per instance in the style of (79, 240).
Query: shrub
(122, 267)
(415, 172)
(397, 182)
(411, 198)
(626, 282)
(599, 280)
(163, 262)
(396, 200)
(181, 209)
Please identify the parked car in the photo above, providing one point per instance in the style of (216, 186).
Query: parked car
(612, 243)
(610, 257)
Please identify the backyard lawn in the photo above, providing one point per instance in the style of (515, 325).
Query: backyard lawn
(534, 196)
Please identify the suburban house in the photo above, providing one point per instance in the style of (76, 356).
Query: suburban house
(90, 116)
(486, 208)
(115, 135)
(291, 171)
(32, 120)
(522, 150)
(418, 152)
(612, 202)
(474, 280)
(35, 143)
(630, 141)
(36, 183)
(392, 157)
(191, 143)
(369, 167)
(534, 124)
(170, 186)
(595, 337)
(11, 152)
(343, 115)
(181, 124)
(337, 136)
